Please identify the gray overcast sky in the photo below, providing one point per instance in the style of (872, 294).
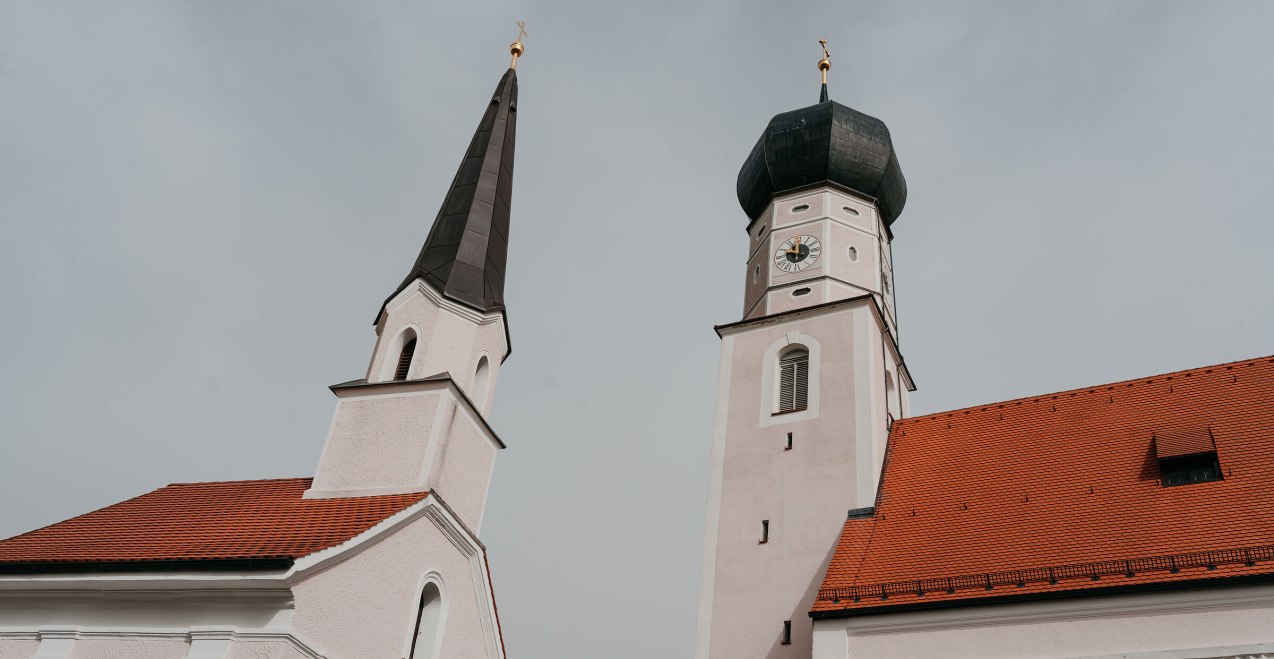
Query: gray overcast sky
(203, 204)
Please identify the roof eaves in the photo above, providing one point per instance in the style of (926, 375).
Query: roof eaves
(277, 563)
(1070, 593)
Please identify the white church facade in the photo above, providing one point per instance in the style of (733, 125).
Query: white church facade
(378, 555)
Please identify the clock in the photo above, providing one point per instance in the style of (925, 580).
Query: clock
(797, 253)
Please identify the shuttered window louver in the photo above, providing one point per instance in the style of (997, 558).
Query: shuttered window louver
(794, 381)
(404, 361)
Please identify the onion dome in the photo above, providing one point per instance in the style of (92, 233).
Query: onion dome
(823, 144)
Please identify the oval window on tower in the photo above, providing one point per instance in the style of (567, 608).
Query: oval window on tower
(853, 253)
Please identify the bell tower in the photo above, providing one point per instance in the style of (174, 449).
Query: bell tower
(810, 379)
(417, 421)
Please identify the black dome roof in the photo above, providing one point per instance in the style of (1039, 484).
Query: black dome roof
(827, 142)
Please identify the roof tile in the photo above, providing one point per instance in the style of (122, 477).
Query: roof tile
(229, 520)
(1067, 479)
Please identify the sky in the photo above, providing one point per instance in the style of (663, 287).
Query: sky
(203, 205)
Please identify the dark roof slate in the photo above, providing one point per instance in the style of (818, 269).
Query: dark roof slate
(823, 143)
(464, 256)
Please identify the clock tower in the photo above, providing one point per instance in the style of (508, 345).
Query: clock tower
(810, 379)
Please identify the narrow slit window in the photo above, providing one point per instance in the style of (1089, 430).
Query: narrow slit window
(794, 381)
(789, 442)
(787, 632)
(765, 531)
(425, 643)
(404, 360)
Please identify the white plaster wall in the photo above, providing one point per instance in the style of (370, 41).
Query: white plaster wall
(115, 648)
(451, 337)
(467, 460)
(1195, 625)
(17, 648)
(131, 608)
(378, 441)
(861, 272)
(264, 650)
(366, 606)
(782, 299)
(804, 492)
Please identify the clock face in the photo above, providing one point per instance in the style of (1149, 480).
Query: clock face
(797, 253)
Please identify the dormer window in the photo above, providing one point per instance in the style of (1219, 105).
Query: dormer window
(1198, 468)
(1186, 456)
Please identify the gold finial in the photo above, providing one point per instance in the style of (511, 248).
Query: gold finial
(825, 63)
(516, 48)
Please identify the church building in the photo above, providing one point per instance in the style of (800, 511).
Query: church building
(1123, 520)
(379, 554)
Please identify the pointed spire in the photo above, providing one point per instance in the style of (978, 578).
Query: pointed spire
(464, 256)
(824, 65)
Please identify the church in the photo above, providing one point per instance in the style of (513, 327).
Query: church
(379, 554)
(1122, 520)
(1126, 519)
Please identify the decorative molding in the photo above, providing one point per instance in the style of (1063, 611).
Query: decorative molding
(419, 286)
(1073, 608)
(68, 636)
(1248, 651)
(363, 492)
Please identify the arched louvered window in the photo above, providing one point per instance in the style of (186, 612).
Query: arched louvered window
(794, 380)
(404, 360)
(481, 383)
(428, 639)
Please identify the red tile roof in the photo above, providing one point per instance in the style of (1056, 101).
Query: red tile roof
(264, 522)
(1041, 494)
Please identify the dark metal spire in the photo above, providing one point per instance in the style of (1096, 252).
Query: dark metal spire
(464, 255)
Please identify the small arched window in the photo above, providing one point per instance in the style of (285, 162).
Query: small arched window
(428, 639)
(794, 380)
(404, 360)
(481, 383)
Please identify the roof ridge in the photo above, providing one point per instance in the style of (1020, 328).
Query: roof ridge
(245, 480)
(1146, 379)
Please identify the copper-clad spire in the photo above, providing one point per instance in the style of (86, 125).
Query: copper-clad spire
(465, 254)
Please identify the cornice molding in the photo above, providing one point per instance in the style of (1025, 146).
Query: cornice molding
(747, 325)
(1078, 605)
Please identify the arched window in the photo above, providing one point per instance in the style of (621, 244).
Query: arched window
(404, 360)
(428, 640)
(481, 383)
(794, 380)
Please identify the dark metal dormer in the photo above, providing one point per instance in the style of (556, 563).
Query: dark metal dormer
(464, 256)
(825, 143)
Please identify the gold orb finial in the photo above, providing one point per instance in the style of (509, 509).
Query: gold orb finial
(825, 63)
(516, 48)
